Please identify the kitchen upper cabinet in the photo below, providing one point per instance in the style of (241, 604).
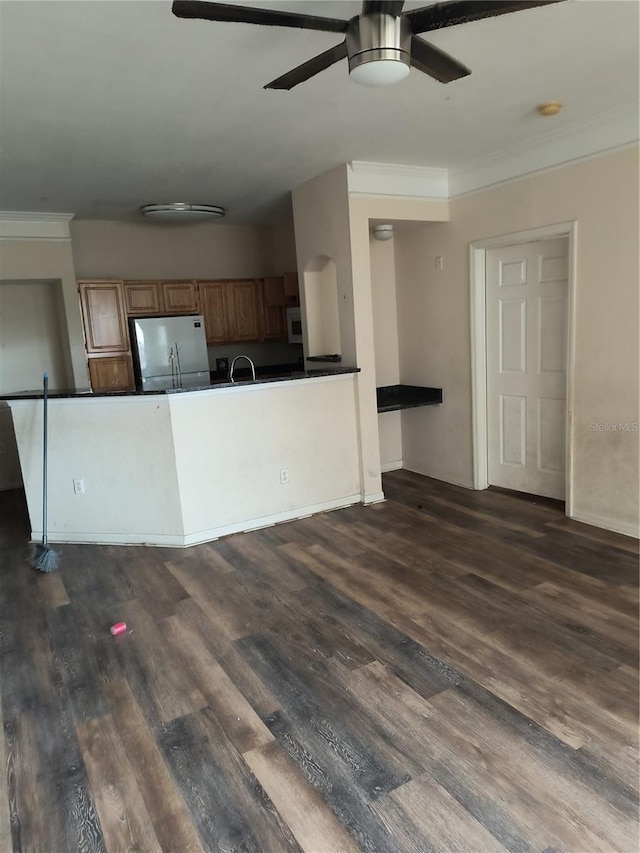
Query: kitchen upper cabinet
(142, 298)
(274, 326)
(282, 290)
(146, 298)
(180, 297)
(291, 288)
(114, 373)
(243, 301)
(105, 323)
(213, 307)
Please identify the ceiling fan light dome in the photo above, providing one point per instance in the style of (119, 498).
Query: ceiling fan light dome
(379, 49)
(380, 72)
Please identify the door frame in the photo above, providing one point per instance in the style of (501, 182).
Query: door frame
(478, 289)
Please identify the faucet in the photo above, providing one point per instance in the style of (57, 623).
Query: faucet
(233, 364)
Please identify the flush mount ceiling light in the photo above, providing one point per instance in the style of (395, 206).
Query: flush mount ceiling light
(177, 211)
(382, 232)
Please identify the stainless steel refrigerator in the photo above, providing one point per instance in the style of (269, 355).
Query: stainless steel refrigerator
(170, 352)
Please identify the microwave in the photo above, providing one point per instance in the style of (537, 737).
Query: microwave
(294, 325)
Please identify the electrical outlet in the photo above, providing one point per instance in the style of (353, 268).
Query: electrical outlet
(284, 476)
(78, 487)
(439, 263)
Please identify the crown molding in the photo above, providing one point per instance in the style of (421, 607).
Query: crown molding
(28, 225)
(609, 131)
(390, 179)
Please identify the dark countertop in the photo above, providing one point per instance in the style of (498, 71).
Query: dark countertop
(392, 398)
(215, 384)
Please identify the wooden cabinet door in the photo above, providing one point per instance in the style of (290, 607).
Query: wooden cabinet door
(142, 298)
(105, 324)
(180, 297)
(244, 309)
(111, 374)
(273, 292)
(272, 316)
(213, 307)
(291, 288)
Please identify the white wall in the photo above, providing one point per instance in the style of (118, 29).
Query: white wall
(231, 444)
(122, 448)
(601, 195)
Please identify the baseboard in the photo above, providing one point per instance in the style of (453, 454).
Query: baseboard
(392, 466)
(376, 498)
(607, 523)
(268, 520)
(162, 539)
(197, 538)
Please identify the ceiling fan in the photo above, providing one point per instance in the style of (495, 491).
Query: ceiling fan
(381, 43)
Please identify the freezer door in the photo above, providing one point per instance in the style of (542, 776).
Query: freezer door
(191, 344)
(168, 346)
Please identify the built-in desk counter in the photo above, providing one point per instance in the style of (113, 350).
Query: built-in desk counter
(392, 398)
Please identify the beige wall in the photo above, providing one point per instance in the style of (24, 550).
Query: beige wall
(323, 230)
(601, 195)
(378, 432)
(385, 342)
(148, 250)
(51, 260)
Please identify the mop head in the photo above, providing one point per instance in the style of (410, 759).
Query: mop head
(43, 558)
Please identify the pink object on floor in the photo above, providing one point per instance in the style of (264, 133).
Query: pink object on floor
(118, 628)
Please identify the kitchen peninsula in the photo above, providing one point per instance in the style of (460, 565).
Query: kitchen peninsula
(178, 468)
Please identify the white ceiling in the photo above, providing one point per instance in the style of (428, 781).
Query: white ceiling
(105, 106)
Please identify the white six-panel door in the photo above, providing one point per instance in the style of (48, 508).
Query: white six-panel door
(526, 310)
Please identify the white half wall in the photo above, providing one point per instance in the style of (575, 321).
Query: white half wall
(177, 469)
(122, 450)
(232, 444)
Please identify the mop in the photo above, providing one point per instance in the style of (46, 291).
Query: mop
(43, 558)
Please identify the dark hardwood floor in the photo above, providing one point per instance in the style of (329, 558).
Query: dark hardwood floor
(446, 671)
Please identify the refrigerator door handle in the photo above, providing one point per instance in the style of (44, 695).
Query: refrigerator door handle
(179, 372)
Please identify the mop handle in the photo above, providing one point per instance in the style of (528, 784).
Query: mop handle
(44, 461)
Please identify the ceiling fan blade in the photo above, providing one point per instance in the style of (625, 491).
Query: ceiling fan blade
(382, 7)
(453, 12)
(250, 15)
(310, 68)
(435, 62)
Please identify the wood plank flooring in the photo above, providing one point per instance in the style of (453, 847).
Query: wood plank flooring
(446, 671)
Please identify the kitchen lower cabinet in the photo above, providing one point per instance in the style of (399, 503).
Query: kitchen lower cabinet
(114, 373)
(103, 315)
